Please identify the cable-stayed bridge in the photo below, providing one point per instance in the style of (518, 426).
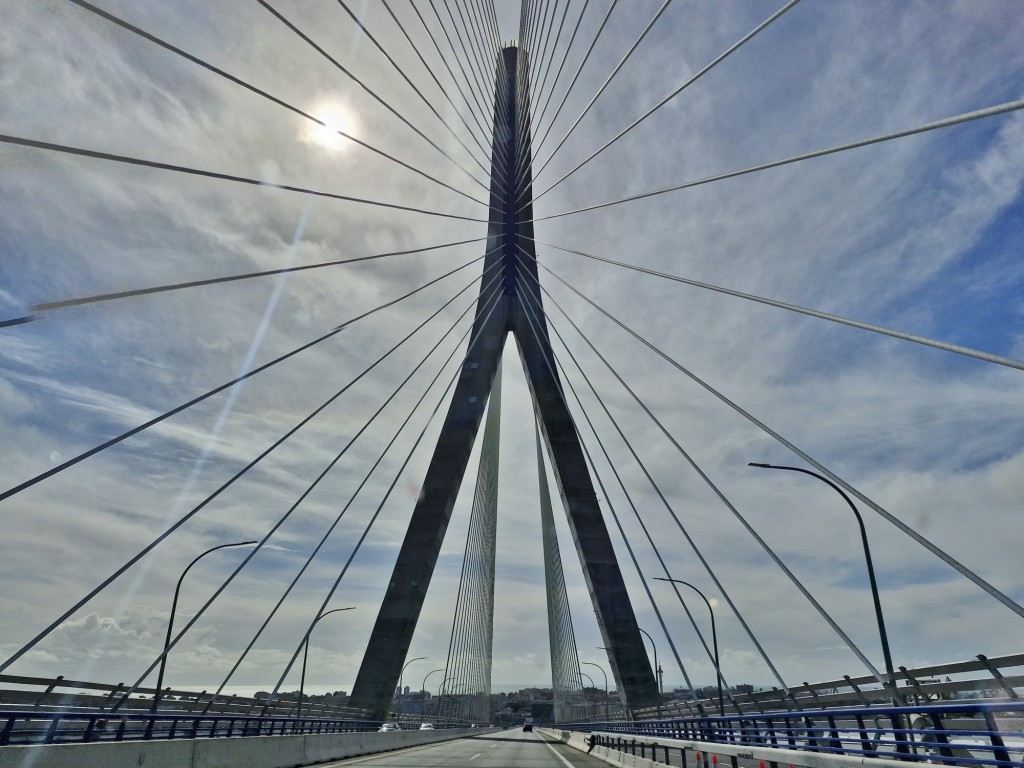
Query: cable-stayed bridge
(266, 262)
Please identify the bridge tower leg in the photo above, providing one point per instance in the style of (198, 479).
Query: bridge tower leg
(518, 310)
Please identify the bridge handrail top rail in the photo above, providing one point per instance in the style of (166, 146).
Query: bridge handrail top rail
(129, 714)
(954, 707)
(794, 757)
(948, 668)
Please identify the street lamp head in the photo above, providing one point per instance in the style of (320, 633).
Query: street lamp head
(758, 464)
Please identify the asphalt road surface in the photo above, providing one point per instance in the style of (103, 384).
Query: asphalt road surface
(493, 749)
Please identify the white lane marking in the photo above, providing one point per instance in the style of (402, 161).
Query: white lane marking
(564, 761)
(381, 755)
(474, 757)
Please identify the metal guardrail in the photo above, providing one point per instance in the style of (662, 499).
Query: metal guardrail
(959, 733)
(77, 727)
(1001, 676)
(61, 694)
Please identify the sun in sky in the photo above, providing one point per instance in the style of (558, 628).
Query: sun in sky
(337, 120)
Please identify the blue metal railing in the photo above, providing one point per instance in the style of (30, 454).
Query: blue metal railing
(78, 727)
(953, 733)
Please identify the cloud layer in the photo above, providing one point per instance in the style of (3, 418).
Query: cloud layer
(920, 235)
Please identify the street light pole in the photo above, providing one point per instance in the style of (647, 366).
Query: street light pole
(423, 689)
(655, 648)
(714, 637)
(305, 654)
(400, 678)
(657, 668)
(606, 715)
(887, 656)
(586, 709)
(170, 621)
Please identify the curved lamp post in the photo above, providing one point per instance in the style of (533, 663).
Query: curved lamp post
(657, 667)
(170, 621)
(423, 689)
(585, 708)
(401, 675)
(714, 637)
(887, 656)
(606, 715)
(305, 655)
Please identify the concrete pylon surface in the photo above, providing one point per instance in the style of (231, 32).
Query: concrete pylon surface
(514, 308)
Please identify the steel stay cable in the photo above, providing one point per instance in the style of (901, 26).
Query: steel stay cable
(481, 138)
(488, 46)
(366, 478)
(488, 34)
(76, 302)
(455, 659)
(625, 539)
(478, 546)
(284, 518)
(551, 60)
(377, 463)
(526, 85)
(476, 113)
(66, 149)
(547, 52)
(721, 496)
(473, 83)
(732, 49)
(561, 636)
(482, 110)
(489, 14)
(604, 85)
(401, 72)
(504, 110)
(458, 60)
(472, 38)
(511, 115)
(693, 545)
(944, 346)
(885, 514)
(504, 121)
(565, 96)
(528, 24)
(611, 507)
(185, 518)
(561, 66)
(338, 457)
(539, 42)
(998, 109)
(373, 94)
(167, 414)
(457, 638)
(216, 70)
(373, 519)
(480, 46)
(469, 50)
(552, 364)
(535, 64)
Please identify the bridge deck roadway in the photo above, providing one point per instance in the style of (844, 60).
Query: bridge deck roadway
(497, 749)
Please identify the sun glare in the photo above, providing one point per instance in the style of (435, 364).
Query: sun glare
(335, 119)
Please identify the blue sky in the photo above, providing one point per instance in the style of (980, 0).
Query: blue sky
(921, 235)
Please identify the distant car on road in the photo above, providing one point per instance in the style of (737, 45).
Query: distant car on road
(389, 727)
(527, 727)
(426, 726)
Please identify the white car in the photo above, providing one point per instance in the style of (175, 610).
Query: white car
(389, 727)
(426, 726)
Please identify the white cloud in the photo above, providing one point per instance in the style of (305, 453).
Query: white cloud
(918, 234)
